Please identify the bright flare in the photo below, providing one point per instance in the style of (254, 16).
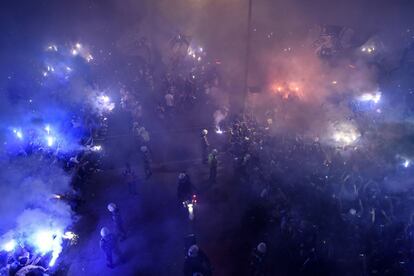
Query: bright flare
(44, 241)
(96, 148)
(52, 47)
(50, 140)
(9, 246)
(89, 58)
(18, 133)
(190, 208)
(370, 97)
(47, 129)
(345, 134)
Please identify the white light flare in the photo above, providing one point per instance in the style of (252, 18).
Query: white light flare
(345, 134)
(370, 97)
(96, 148)
(368, 49)
(69, 235)
(104, 102)
(52, 48)
(9, 246)
(50, 68)
(89, 58)
(50, 140)
(18, 133)
(406, 163)
(44, 241)
(51, 241)
(190, 208)
(47, 129)
(219, 130)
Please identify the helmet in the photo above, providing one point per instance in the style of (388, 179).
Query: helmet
(269, 121)
(193, 251)
(112, 207)
(104, 232)
(204, 132)
(214, 152)
(262, 248)
(141, 129)
(182, 175)
(144, 149)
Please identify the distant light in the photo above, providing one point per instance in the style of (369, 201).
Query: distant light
(368, 49)
(96, 148)
(370, 97)
(18, 133)
(105, 99)
(89, 58)
(406, 163)
(78, 45)
(105, 103)
(52, 47)
(74, 52)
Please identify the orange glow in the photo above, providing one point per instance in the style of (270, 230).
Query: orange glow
(286, 90)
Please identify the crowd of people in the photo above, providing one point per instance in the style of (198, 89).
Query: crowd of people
(317, 209)
(326, 208)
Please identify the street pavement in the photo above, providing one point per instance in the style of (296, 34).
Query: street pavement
(156, 224)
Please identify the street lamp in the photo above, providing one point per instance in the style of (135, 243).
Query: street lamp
(247, 58)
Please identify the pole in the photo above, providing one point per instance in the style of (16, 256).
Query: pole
(247, 57)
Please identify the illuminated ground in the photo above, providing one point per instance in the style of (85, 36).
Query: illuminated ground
(155, 224)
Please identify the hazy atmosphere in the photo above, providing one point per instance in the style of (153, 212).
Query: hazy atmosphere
(207, 137)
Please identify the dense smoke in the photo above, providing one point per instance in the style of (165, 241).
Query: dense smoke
(285, 52)
(43, 109)
(30, 207)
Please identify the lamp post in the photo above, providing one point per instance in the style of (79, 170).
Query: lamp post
(247, 57)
